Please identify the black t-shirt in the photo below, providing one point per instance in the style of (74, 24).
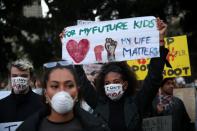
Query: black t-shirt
(72, 125)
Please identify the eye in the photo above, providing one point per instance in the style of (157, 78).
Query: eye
(107, 83)
(24, 75)
(70, 86)
(117, 81)
(54, 86)
(14, 75)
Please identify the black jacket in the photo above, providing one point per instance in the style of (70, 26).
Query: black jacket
(135, 106)
(89, 122)
(180, 118)
(15, 108)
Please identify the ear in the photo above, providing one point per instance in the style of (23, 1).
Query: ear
(125, 85)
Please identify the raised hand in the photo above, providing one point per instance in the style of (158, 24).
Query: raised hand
(110, 46)
(162, 27)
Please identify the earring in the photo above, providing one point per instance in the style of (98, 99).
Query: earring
(47, 100)
(76, 99)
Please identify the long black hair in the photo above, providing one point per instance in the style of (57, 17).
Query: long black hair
(47, 73)
(45, 78)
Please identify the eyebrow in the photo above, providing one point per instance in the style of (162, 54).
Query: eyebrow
(54, 82)
(19, 74)
(117, 79)
(66, 82)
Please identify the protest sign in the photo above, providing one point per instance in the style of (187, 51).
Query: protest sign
(161, 123)
(84, 22)
(4, 94)
(187, 95)
(178, 57)
(9, 126)
(91, 70)
(107, 41)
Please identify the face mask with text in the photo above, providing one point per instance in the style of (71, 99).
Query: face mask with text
(114, 91)
(19, 84)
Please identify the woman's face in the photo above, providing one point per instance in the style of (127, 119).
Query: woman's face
(61, 80)
(115, 78)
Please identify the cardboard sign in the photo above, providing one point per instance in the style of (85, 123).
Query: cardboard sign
(116, 40)
(84, 22)
(178, 57)
(10, 126)
(187, 95)
(4, 94)
(161, 123)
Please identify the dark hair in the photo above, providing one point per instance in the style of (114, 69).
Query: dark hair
(165, 80)
(45, 78)
(48, 71)
(121, 68)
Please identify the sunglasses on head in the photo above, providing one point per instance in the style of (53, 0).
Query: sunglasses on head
(58, 63)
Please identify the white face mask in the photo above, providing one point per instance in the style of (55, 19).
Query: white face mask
(19, 84)
(114, 91)
(195, 84)
(62, 102)
(38, 91)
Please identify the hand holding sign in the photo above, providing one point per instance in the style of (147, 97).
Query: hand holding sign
(162, 27)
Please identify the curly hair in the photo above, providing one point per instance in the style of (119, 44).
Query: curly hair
(121, 68)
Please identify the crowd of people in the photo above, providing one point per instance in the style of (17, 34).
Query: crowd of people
(66, 100)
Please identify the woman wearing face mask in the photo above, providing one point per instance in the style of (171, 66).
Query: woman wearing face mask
(114, 101)
(63, 112)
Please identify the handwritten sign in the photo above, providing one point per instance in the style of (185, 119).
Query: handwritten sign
(84, 22)
(187, 95)
(116, 40)
(161, 123)
(4, 94)
(10, 126)
(178, 57)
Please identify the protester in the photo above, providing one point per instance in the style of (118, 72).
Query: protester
(114, 102)
(92, 71)
(22, 102)
(195, 83)
(167, 104)
(196, 113)
(38, 86)
(180, 82)
(3, 85)
(63, 110)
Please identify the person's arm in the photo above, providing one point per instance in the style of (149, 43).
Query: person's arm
(185, 118)
(87, 90)
(154, 77)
